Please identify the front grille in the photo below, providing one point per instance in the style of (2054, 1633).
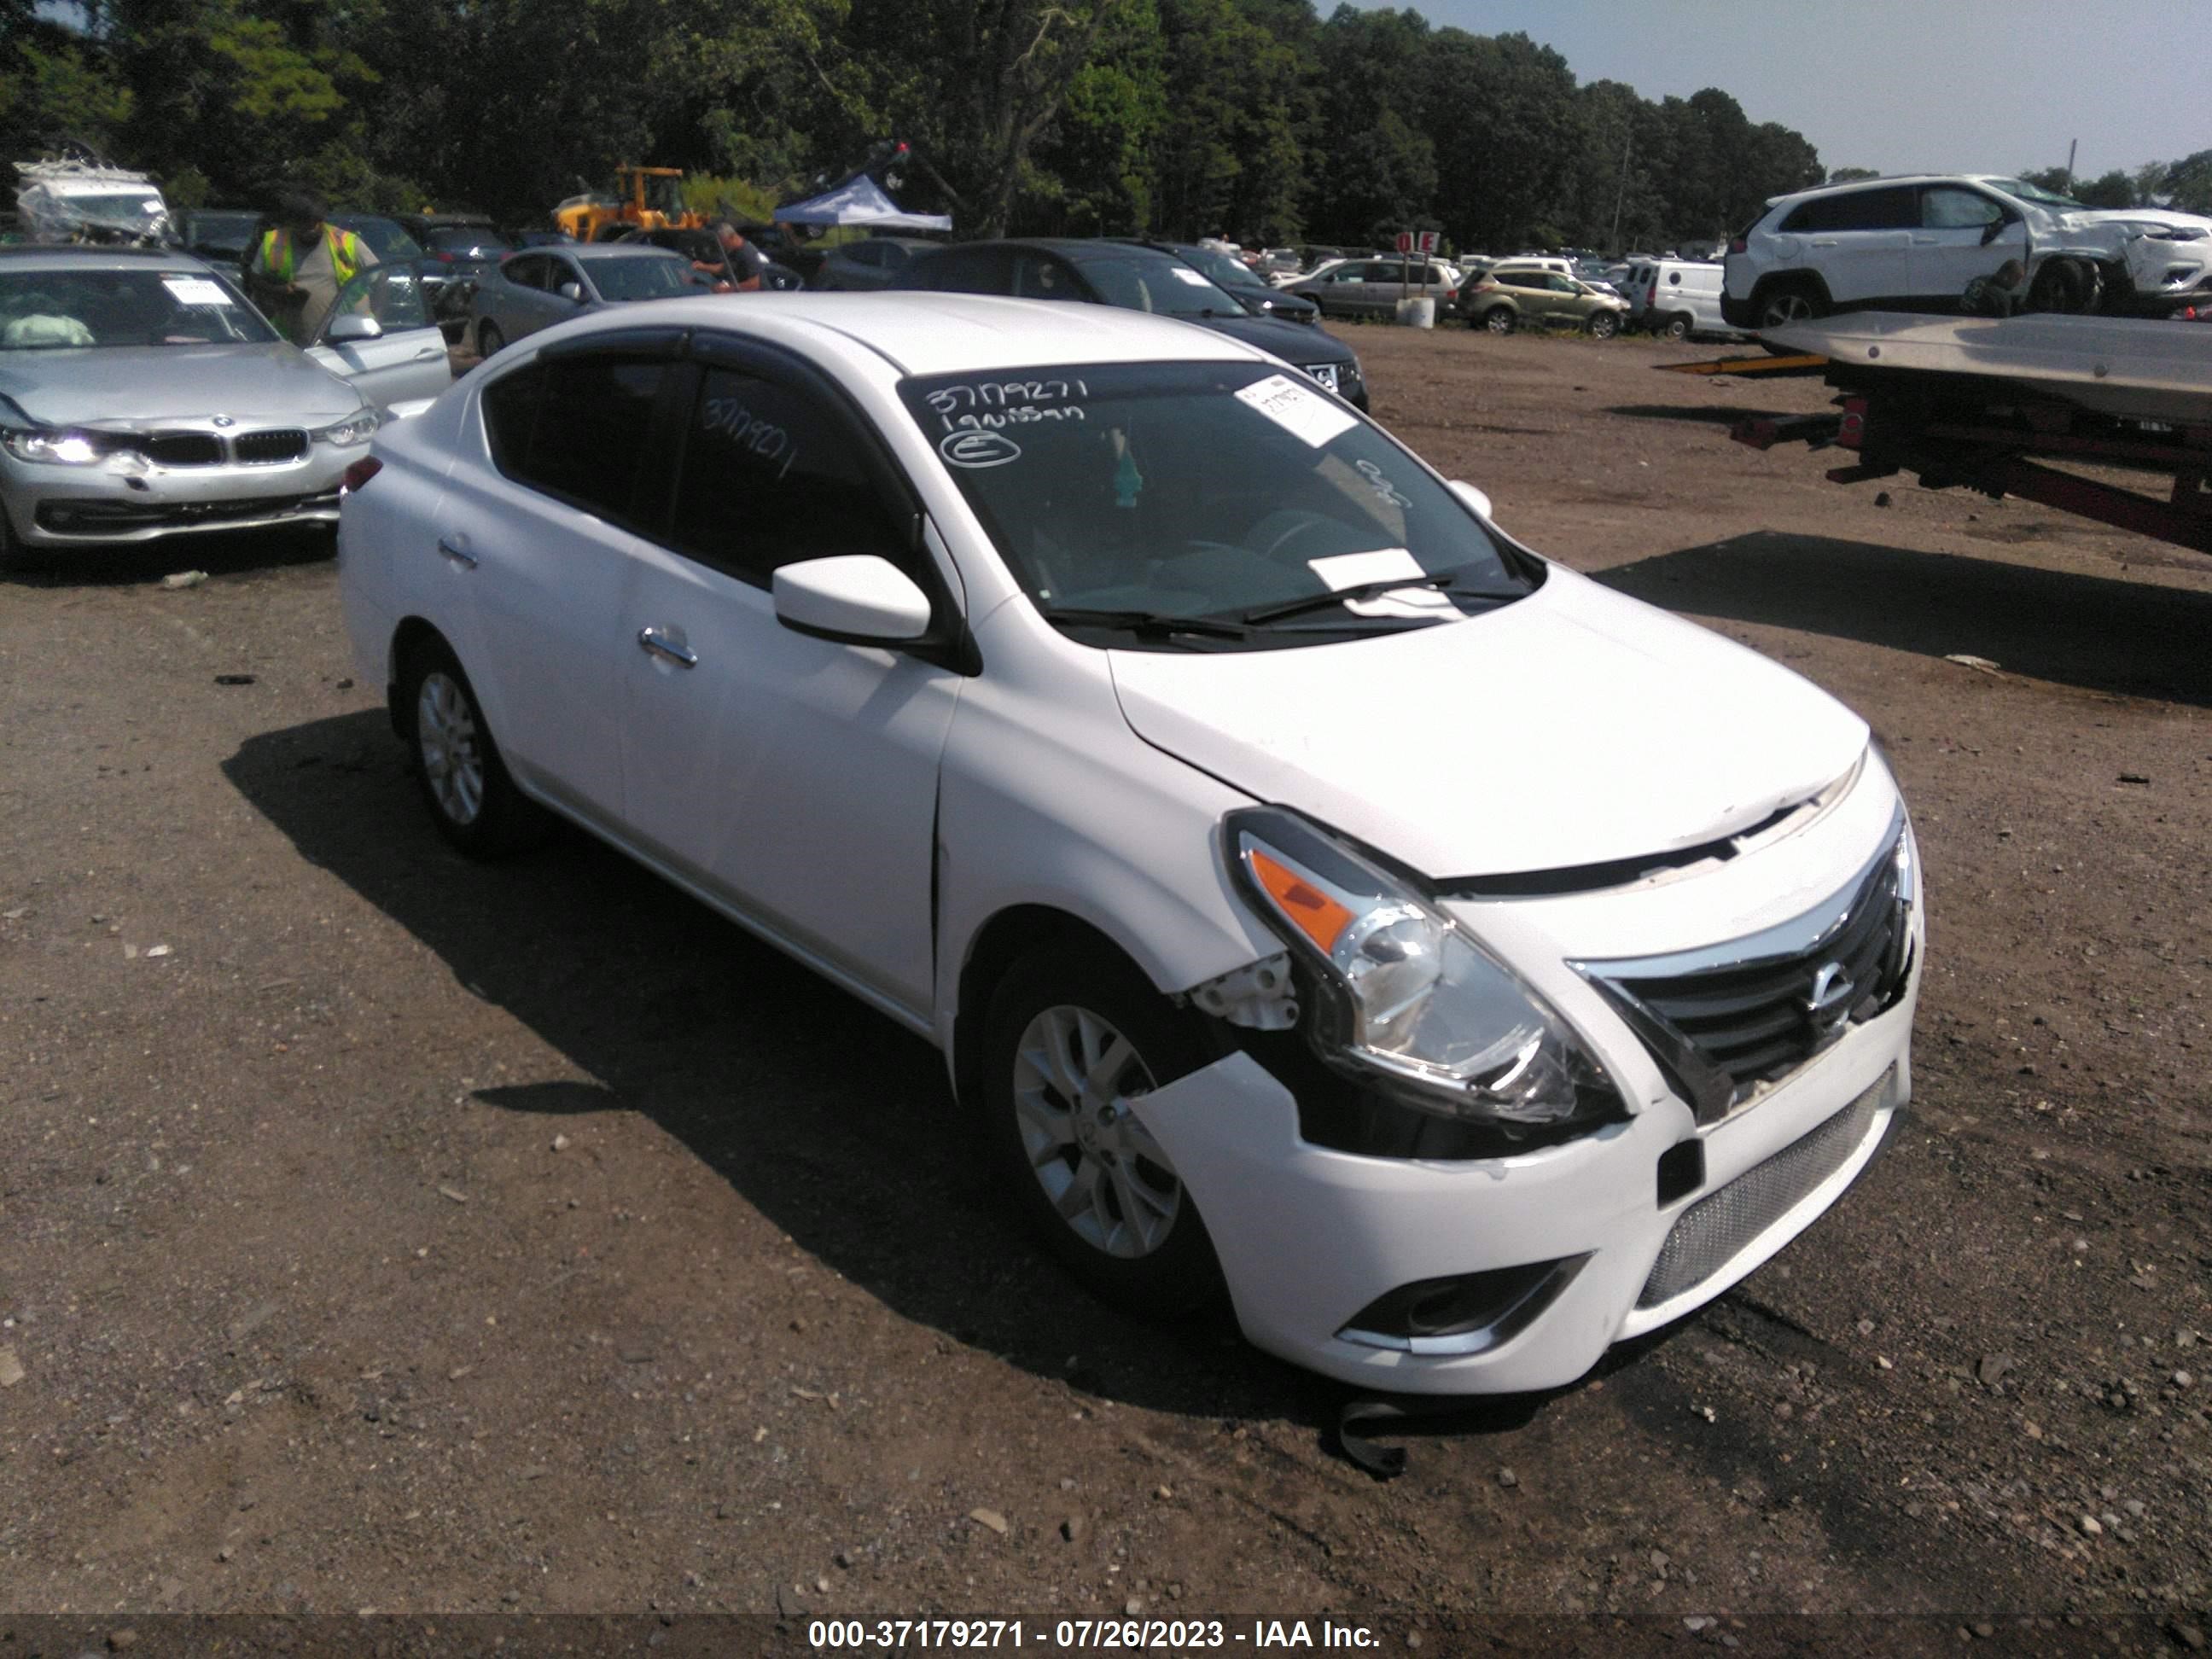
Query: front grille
(1717, 1228)
(261, 448)
(1757, 1022)
(183, 449)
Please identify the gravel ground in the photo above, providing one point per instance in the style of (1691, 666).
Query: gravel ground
(381, 1231)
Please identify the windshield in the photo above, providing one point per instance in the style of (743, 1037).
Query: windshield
(2028, 192)
(387, 237)
(465, 238)
(1213, 493)
(1166, 287)
(641, 279)
(1221, 268)
(55, 307)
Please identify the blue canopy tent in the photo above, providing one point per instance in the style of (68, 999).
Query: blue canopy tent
(859, 201)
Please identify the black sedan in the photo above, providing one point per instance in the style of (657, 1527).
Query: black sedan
(1136, 278)
(1235, 277)
(863, 267)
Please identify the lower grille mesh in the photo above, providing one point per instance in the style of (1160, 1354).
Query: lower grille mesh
(1714, 1230)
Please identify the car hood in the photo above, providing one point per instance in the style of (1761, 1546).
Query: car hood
(255, 385)
(1294, 342)
(1573, 727)
(2150, 222)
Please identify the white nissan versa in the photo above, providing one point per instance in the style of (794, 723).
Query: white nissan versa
(1317, 895)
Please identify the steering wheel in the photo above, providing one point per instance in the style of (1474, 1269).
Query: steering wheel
(1303, 524)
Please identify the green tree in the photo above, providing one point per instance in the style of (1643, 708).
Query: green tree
(2116, 189)
(2188, 182)
(1852, 175)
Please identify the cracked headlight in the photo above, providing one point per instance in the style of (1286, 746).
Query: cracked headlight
(1408, 1000)
(54, 447)
(357, 427)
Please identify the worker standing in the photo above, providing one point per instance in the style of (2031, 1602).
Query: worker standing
(298, 268)
(741, 265)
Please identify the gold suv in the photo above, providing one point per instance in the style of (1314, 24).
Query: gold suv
(1508, 295)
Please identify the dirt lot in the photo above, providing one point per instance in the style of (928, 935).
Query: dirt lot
(381, 1231)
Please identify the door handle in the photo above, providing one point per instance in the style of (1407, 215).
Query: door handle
(459, 555)
(656, 643)
(429, 352)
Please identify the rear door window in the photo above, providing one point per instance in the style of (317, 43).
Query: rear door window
(589, 438)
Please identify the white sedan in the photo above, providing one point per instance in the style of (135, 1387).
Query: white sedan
(1317, 895)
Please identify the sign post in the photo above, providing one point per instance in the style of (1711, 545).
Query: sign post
(1405, 265)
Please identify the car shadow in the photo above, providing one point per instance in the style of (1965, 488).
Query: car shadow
(2100, 633)
(829, 1120)
(1707, 415)
(129, 564)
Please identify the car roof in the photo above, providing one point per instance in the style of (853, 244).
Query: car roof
(1077, 248)
(1993, 179)
(77, 257)
(933, 333)
(590, 252)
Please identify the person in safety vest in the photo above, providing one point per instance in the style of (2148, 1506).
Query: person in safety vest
(298, 268)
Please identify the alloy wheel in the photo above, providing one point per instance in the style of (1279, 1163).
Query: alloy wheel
(1790, 306)
(452, 758)
(1102, 1171)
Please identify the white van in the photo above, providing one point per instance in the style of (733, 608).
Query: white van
(1678, 298)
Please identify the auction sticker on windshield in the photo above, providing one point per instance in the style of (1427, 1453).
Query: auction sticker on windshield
(1304, 414)
(1190, 277)
(196, 291)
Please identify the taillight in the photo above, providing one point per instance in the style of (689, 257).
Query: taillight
(359, 474)
(1852, 435)
(1738, 244)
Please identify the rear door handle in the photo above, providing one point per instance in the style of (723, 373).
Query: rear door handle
(655, 642)
(459, 555)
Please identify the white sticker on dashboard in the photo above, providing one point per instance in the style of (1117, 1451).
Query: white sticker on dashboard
(196, 291)
(1347, 570)
(1183, 274)
(1305, 415)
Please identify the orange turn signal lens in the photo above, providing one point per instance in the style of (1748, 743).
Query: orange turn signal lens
(1315, 915)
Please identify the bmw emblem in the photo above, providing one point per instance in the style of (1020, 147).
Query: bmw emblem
(224, 420)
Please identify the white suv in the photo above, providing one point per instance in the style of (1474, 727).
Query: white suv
(1316, 894)
(1914, 244)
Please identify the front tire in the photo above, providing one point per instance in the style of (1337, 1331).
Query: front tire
(1073, 1034)
(2067, 287)
(472, 798)
(1604, 325)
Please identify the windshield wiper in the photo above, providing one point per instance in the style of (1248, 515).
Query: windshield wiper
(1146, 624)
(1312, 601)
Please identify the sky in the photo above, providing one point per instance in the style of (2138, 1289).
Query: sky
(1903, 86)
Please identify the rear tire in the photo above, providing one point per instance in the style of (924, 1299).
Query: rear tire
(472, 798)
(1791, 302)
(489, 338)
(1676, 327)
(1498, 320)
(1072, 1033)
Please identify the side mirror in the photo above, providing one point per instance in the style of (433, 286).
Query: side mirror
(572, 291)
(354, 326)
(1991, 231)
(856, 598)
(1474, 497)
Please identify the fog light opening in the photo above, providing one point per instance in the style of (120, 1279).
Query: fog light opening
(1463, 1313)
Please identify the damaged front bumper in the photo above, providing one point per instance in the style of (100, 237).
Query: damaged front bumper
(56, 506)
(1552, 1255)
